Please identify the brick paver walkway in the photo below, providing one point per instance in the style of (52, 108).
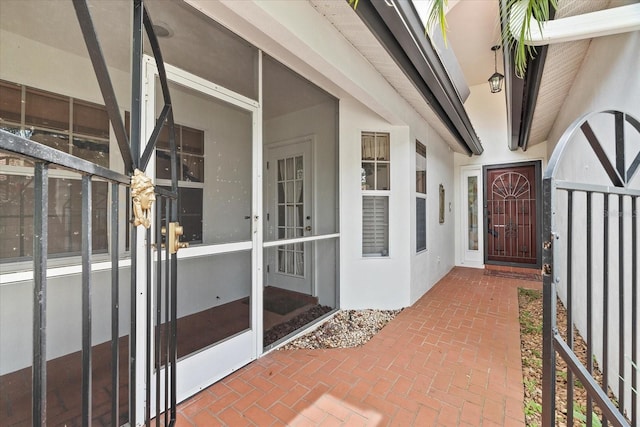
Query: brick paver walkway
(452, 359)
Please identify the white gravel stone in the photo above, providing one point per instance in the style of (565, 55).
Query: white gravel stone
(348, 328)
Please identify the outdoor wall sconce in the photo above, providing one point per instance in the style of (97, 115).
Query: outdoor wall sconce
(496, 79)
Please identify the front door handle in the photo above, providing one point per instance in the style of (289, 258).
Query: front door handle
(175, 231)
(308, 228)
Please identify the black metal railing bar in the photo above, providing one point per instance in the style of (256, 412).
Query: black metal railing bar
(104, 82)
(612, 258)
(569, 304)
(43, 155)
(40, 152)
(86, 301)
(115, 306)
(40, 250)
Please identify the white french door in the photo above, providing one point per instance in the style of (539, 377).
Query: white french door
(289, 215)
(219, 290)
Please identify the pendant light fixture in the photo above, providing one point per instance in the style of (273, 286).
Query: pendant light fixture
(496, 79)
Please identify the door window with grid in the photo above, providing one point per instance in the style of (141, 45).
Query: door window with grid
(375, 182)
(290, 193)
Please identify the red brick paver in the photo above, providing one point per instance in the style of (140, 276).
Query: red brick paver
(451, 359)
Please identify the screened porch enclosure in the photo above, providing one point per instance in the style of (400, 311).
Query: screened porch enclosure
(300, 202)
(257, 198)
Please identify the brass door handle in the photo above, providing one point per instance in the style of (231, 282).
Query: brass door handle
(175, 231)
(308, 228)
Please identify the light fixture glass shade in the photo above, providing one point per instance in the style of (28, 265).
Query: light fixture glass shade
(495, 82)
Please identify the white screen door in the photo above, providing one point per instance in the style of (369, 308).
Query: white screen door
(216, 138)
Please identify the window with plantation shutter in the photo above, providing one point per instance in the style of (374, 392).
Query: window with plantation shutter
(375, 225)
(421, 224)
(375, 181)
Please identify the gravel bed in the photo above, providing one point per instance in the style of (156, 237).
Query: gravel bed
(348, 328)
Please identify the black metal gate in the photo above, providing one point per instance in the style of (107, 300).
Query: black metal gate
(590, 273)
(160, 340)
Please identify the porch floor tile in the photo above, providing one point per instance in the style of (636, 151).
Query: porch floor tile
(451, 359)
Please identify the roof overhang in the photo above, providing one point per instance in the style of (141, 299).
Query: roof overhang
(400, 31)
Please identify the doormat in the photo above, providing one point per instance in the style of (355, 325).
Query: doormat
(281, 304)
(532, 277)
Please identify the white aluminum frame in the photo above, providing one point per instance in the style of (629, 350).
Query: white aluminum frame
(242, 348)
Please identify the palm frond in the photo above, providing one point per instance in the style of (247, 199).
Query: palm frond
(437, 18)
(521, 12)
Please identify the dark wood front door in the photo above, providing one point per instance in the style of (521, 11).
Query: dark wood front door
(511, 212)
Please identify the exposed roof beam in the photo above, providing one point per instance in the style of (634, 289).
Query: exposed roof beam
(400, 31)
(532, 82)
(605, 22)
(522, 94)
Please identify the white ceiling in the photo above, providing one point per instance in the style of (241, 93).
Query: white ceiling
(473, 28)
(196, 44)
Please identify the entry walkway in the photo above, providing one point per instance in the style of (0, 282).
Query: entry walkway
(452, 359)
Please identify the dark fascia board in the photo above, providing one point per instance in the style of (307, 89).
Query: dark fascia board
(522, 94)
(401, 32)
(532, 83)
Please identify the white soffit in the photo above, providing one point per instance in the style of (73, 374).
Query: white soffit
(561, 67)
(340, 15)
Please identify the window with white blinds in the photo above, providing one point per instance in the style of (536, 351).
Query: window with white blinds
(421, 224)
(376, 173)
(375, 225)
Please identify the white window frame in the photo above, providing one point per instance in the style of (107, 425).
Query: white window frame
(421, 196)
(376, 193)
(64, 260)
(471, 258)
